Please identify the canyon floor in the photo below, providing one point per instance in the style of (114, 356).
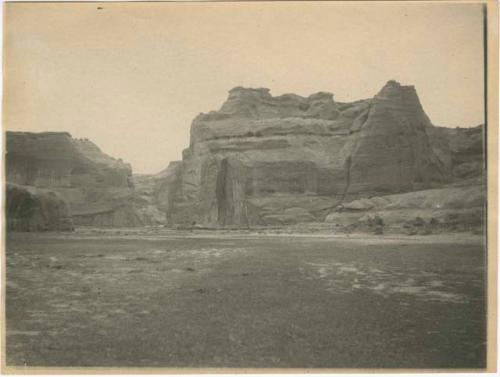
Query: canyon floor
(221, 299)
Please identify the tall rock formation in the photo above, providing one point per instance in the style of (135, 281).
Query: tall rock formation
(96, 187)
(263, 160)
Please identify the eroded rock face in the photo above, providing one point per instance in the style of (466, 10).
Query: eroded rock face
(96, 186)
(264, 160)
(29, 209)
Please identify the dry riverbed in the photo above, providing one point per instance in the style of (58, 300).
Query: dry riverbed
(187, 299)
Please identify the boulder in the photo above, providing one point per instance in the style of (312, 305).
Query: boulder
(29, 209)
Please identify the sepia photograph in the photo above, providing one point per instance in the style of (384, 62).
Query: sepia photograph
(273, 186)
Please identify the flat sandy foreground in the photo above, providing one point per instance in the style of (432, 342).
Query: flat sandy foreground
(222, 299)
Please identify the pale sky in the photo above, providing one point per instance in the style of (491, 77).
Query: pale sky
(131, 77)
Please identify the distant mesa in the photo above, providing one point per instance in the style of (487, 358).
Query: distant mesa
(262, 160)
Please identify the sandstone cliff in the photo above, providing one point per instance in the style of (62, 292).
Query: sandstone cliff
(264, 160)
(97, 187)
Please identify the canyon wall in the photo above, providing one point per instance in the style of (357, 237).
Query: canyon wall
(264, 160)
(97, 188)
(259, 161)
